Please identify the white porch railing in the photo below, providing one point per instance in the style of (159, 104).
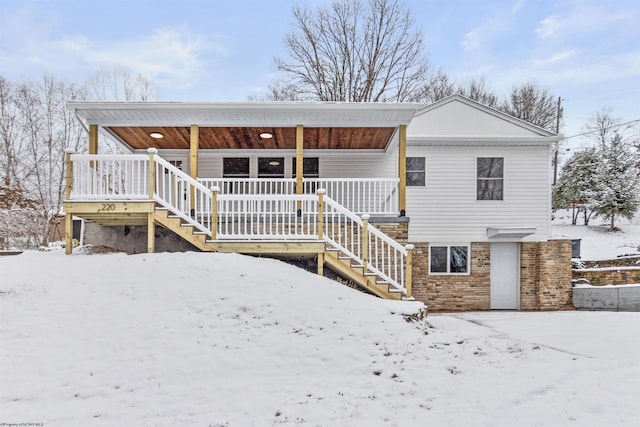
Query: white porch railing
(375, 196)
(267, 217)
(110, 177)
(251, 216)
(251, 185)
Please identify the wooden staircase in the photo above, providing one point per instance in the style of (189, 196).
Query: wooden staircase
(344, 267)
(333, 258)
(146, 190)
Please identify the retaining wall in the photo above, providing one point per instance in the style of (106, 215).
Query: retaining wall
(609, 298)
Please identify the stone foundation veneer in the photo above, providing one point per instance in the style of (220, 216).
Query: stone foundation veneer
(545, 278)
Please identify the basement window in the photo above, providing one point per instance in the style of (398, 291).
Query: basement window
(447, 259)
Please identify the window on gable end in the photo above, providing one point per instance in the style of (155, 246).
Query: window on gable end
(490, 178)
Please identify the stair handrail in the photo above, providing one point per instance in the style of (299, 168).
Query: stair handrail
(181, 194)
(339, 231)
(387, 258)
(367, 245)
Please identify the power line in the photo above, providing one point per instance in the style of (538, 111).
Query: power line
(598, 130)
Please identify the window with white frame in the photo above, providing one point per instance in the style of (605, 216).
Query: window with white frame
(490, 182)
(416, 171)
(449, 259)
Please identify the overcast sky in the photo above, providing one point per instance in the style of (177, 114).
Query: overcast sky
(586, 51)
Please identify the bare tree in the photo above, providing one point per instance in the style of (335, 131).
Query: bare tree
(351, 51)
(49, 129)
(12, 151)
(279, 91)
(438, 86)
(119, 84)
(533, 104)
(479, 90)
(35, 129)
(601, 127)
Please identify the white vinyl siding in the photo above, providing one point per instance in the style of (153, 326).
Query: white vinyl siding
(447, 210)
(358, 166)
(209, 166)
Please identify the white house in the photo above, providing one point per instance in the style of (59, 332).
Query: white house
(479, 202)
(449, 204)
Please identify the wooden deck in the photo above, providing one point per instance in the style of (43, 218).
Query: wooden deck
(139, 190)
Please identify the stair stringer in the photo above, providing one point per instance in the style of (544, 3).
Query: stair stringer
(344, 268)
(162, 217)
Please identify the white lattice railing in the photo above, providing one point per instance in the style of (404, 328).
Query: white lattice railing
(375, 196)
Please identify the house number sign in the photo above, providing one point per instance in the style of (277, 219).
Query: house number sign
(107, 207)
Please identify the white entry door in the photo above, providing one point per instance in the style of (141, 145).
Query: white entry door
(505, 277)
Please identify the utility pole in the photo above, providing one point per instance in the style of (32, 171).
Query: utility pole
(555, 160)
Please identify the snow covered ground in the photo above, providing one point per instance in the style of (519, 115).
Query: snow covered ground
(597, 242)
(199, 339)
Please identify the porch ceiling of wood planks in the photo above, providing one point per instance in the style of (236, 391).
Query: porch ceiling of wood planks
(237, 138)
(238, 125)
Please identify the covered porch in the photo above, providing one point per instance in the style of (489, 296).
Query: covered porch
(355, 151)
(296, 178)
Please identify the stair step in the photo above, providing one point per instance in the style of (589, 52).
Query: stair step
(356, 266)
(395, 291)
(200, 233)
(408, 299)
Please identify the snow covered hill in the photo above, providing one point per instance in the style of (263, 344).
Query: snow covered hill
(597, 242)
(228, 340)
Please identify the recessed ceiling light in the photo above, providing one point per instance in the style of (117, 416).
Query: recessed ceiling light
(156, 135)
(274, 163)
(266, 135)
